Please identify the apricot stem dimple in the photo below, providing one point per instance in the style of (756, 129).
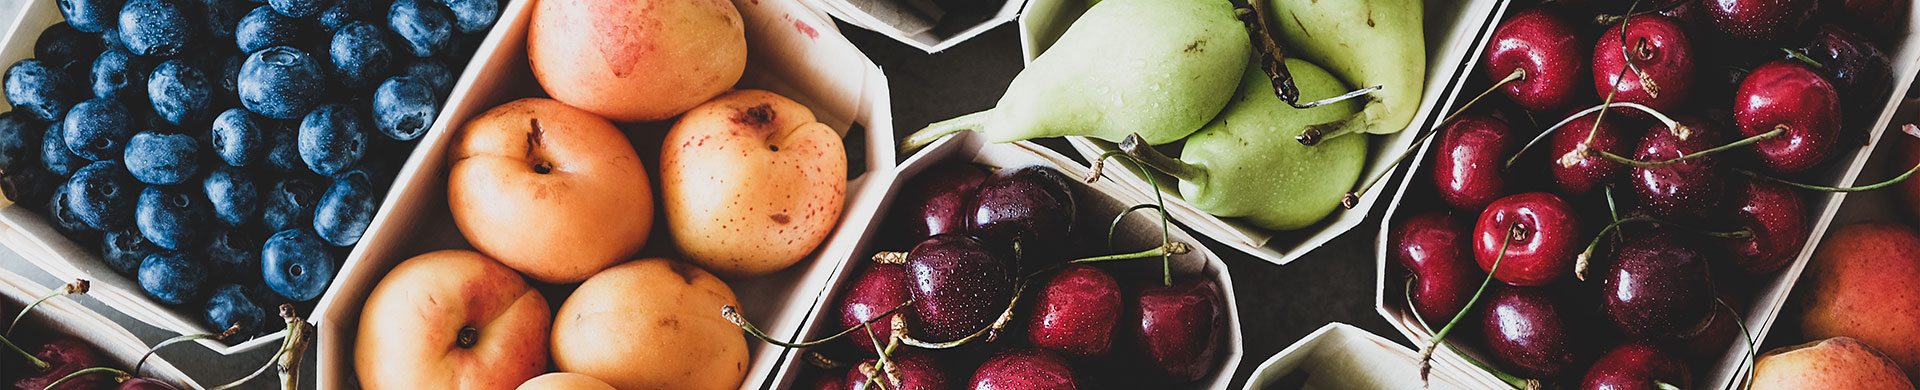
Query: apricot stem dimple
(542, 167)
(467, 338)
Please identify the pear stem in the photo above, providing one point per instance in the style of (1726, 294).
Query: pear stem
(1426, 354)
(1139, 149)
(936, 130)
(118, 376)
(1268, 53)
(1722, 148)
(77, 286)
(1352, 198)
(732, 315)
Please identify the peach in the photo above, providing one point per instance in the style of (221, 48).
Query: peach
(1836, 363)
(1864, 283)
(751, 183)
(636, 60)
(552, 191)
(651, 324)
(564, 381)
(451, 319)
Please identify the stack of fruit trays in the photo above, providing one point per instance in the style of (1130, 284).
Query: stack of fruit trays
(204, 161)
(1704, 247)
(63, 323)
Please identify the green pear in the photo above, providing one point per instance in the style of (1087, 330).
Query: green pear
(1161, 68)
(1366, 43)
(1245, 163)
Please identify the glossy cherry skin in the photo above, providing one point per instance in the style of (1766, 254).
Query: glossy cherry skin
(1076, 312)
(1773, 213)
(1635, 366)
(1468, 166)
(936, 199)
(1786, 94)
(1031, 205)
(1546, 45)
(1025, 369)
(1434, 248)
(1760, 20)
(959, 286)
(1722, 330)
(1689, 188)
(918, 371)
(1527, 331)
(1657, 287)
(1660, 51)
(144, 384)
(876, 289)
(830, 381)
(1860, 72)
(1178, 328)
(64, 355)
(1542, 247)
(1590, 173)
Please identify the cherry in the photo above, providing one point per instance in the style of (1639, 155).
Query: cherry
(1544, 237)
(1861, 74)
(1075, 312)
(959, 286)
(1654, 69)
(1025, 369)
(1030, 206)
(1178, 327)
(1433, 248)
(829, 382)
(1688, 188)
(144, 384)
(877, 288)
(916, 371)
(1546, 47)
(64, 355)
(1527, 331)
(1635, 366)
(1887, 18)
(1787, 95)
(1772, 213)
(1657, 287)
(1468, 166)
(1576, 176)
(936, 199)
(1722, 330)
(1761, 20)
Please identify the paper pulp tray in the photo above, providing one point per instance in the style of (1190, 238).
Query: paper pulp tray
(36, 239)
(916, 23)
(64, 315)
(1769, 291)
(1097, 204)
(1340, 356)
(787, 54)
(1451, 29)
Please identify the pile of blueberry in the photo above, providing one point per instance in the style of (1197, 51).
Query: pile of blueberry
(225, 153)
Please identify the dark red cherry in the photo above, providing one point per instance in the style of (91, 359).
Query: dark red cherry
(1025, 369)
(876, 289)
(1861, 74)
(144, 384)
(1527, 331)
(1032, 206)
(1773, 213)
(1587, 174)
(1435, 249)
(1658, 287)
(936, 199)
(959, 286)
(64, 355)
(1178, 328)
(1468, 164)
(1689, 188)
(1636, 366)
(1761, 20)
(917, 371)
(1661, 73)
(833, 380)
(1787, 95)
(1545, 45)
(1076, 312)
(1883, 18)
(1539, 248)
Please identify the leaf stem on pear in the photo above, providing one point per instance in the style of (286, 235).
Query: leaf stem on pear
(934, 131)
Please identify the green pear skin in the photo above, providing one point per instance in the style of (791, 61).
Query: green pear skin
(1364, 42)
(1254, 168)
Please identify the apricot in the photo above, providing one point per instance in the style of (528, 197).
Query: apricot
(651, 324)
(1836, 363)
(636, 60)
(1864, 283)
(564, 381)
(451, 319)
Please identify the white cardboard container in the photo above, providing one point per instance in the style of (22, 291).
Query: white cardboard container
(792, 51)
(912, 22)
(969, 146)
(64, 315)
(1451, 29)
(1770, 292)
(1340, 356)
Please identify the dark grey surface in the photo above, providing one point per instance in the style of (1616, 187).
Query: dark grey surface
(1278, 305)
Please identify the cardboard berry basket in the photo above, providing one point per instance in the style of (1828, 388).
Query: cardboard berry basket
(792, 51)
(1769, 292)
(1341, 356)
(66, 316)
(1097, 204)
(1451, 27)
(917, 23)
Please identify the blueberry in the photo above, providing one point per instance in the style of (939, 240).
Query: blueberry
(221, 17)
(54, 154)
(60, 210)
(162, 159)
(425, 25)
(124, 249)
(179, 92)
(404, 108)
(39, 89)
(344, 12)
(233, 255)
(231, 306)
(16, 134)
(299, 8)
(120, 76)
(232, 195)
(434, 73)
(289, 204)
(91, 16)
(262, 28)
(29, 185)
(344, 212)
(173, 277)
(62, 44)
(280, 83)
(97, 129)
(237, 137)
(157, 28)
(332, 138)
(103, 195)
(229, 75)
(359, 54)
(171, 217)
(283, 152)
(296, 264)
(474, 15)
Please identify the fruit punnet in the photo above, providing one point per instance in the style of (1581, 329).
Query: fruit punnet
(1242, 165)
(1363, 47)
(636, 60)
(1161, 68)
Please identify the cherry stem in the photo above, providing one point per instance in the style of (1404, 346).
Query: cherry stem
(1665, 386)
(1352, 198)
(890, 257)
(1674, 126)
(1776, 132)
(1171, 248)
(1609, 19)
(1515, 382)
(989, 332)
(1803, 58)
(37, 363)
(1581, 261)
(235, 328)
(733, 315)
(118, 376)
(933, 132)
(1159, 204)
(77, 286)
(287, 359)
(1745, 336)
(1426, 354)
(1869, 187)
